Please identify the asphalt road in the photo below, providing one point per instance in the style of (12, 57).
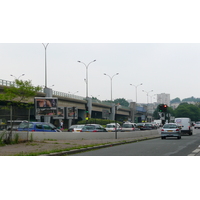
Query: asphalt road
(154, 147)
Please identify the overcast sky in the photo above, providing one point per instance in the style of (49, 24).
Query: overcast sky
(164, 68)
(145, 42)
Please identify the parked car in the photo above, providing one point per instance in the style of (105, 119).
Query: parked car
(76, 128)
(128, 127)
(197, 125)
(93, 128)
(170, 130)
(112, 127)
(37, 126)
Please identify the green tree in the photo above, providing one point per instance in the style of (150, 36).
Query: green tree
(18, 95)
(188, 110)
(176, 100)
(122, 102)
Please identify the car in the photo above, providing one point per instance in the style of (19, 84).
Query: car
(37, 126)
(147, 126)
(170, 130)
(14, 124)
(197, 125)
(155, 125)
(139, 125)
(76, 128)
(128, 127)
(112, 127)
(93, 128)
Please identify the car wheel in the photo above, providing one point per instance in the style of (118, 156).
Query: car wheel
(162, 138)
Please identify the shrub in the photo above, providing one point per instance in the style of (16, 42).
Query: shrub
(98, 121)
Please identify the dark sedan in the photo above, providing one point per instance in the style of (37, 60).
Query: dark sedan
(93, 128)
(147, 126)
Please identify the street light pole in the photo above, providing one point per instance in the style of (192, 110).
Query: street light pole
(136, 91)
(45, 47)
(111, 81)
(87, 75)
(147, 94)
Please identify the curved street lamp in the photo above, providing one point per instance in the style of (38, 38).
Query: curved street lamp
(136, 91)
(147, 94)
(111, 81)
(16, 77)
(86, 74)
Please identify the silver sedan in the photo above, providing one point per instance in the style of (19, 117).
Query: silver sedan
(170, 130)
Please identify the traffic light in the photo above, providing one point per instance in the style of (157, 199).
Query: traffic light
(87, 115)
(162, 108)
(165, 108)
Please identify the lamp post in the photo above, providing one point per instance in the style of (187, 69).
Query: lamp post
(136, 91)
(111, 81)
(87, 75)
(147, 94)
(18, 76)
(45, 48)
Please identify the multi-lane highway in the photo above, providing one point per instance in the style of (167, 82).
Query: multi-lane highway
(154, 147)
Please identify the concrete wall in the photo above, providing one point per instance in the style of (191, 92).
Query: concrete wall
(37, 136)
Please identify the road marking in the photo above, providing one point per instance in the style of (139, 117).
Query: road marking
(196, 151)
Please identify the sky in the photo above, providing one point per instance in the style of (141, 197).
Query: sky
(171, 68)
(158, 47)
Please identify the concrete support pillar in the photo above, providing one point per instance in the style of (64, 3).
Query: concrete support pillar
(49, 93)
(132, 111)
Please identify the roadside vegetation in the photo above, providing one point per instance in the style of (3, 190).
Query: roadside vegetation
(183, 110)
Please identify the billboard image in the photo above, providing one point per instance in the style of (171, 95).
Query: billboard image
(72, 113)
(60, 113)
(46, 106)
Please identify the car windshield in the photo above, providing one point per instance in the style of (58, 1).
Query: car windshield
(110, 126)
(25, 125)
(80, 126)
(89, 127)
(127, 125)
(170, 126)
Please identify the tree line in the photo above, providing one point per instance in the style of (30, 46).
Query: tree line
(191, 111)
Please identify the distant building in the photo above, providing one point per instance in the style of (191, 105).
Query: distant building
(163, 99)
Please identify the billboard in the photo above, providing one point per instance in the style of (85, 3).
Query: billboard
(60, 114)
(46, 106)
(72, 113)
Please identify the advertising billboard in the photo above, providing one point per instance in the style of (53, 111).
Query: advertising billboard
(72, 113)
(60, 113)
(46, 106)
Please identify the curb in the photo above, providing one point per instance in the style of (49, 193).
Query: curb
(73, 151)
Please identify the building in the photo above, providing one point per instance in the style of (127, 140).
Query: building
(163, 99)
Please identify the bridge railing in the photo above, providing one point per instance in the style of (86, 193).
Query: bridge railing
(6, 83)
(63, 94)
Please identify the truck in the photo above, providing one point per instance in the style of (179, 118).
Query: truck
(185, 124)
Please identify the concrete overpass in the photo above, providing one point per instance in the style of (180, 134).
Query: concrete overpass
(98, 108)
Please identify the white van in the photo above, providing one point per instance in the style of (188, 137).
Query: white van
(185, 124)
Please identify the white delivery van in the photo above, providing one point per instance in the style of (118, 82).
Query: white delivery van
(185, 124)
